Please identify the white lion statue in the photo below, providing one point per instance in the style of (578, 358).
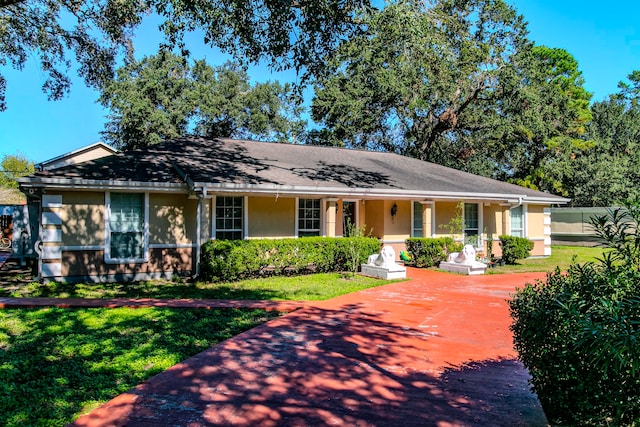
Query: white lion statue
(466, 257)
(386, 258)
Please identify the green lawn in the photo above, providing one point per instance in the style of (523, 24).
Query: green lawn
(56, 364)
(561, 256)
(310, 287)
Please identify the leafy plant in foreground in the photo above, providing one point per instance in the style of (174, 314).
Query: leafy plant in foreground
(579, 333)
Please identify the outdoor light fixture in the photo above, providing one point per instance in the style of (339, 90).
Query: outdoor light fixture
(394, 210)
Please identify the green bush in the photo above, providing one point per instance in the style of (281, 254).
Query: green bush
(515, 248)
(429, 252)
(579, 333)
(228, 260)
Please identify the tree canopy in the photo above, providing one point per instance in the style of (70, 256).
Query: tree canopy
(454, 82)
(603, 167)
(13, 167)
(97, 33)
(164, 96)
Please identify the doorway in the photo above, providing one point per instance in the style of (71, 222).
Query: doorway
(348, 218)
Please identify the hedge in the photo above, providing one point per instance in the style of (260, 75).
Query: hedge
(515, 248)
(578, 332)
(229, 260)
(429, 252)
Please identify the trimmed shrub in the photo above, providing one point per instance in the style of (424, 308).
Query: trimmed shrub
(515, 248)
(229, 260)
(579, 333)
(429, 252)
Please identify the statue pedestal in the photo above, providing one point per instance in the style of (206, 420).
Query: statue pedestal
(469, 270)
(395, 272)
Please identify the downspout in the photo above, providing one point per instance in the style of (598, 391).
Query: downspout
(201, 198)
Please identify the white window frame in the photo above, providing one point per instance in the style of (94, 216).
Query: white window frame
(145, 230)
(319, 230)
(480, 206)
(524, 220)
(245, 218)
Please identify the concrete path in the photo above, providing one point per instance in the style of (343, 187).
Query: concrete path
(432, 351)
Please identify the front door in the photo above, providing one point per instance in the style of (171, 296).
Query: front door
(348, 217)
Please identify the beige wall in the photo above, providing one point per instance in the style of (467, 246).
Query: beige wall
(82, 217)
(271, 218)
(374, 211)
(445, 212)
(535, 221)
(172, 219)
(398, 227)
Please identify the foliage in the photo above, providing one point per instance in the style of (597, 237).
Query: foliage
(59, 363)
(453, 82)
(296, 34)
(13, 167)
(228, 260)
(356, 248)
(163, 96)
(455, 226)
(515, 248)
(579, 333)
(603, 167)
(429, 252)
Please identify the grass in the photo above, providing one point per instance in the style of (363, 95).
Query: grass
(310, 287)
(561, 256)
(56, 364)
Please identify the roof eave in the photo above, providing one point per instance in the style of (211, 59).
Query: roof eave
(88, 184)
(374, 193)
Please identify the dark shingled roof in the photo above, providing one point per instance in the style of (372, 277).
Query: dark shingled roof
(226, 162)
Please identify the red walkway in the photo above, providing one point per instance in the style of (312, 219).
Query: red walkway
(433, 351)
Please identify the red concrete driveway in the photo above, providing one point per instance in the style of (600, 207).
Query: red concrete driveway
(432, 351)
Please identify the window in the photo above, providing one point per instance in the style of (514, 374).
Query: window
(517, 221)
(229, 218)
(417, 220)
(308, 217)
(471, 224)
(126, 226)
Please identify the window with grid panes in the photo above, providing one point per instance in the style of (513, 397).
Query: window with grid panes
(517, 221)
(229, 218)
(471, 222)
(126, 226)
(308, 217)
(417, 219)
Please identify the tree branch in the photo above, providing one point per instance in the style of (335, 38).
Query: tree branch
(7, 3)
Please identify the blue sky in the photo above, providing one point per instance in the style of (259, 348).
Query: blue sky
(603, 36)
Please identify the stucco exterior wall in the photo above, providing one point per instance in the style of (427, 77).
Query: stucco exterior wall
(271, 218)
(445, 212)
(397, 227)
(172, 219)
(82, 215)
(535, 221)
(374, 211)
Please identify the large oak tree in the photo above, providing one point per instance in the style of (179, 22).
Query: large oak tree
(165, 96)
(456, 82)
(97, 33)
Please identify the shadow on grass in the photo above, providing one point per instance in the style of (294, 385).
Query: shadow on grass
(57, 363)
(325, 367)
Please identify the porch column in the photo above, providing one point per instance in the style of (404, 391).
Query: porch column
(506, 220)
(205, 220)
(330, 215)
(428, 219)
